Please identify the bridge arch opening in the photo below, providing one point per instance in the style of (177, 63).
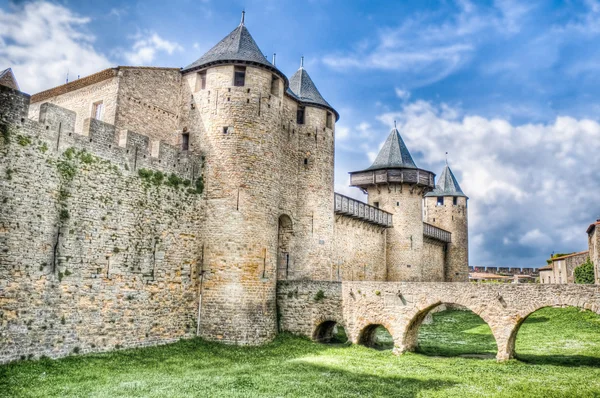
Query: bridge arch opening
(448, 329)
(558, 335)
(330, 332)
(376, 336)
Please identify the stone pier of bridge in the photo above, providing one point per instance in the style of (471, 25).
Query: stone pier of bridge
(401, 307)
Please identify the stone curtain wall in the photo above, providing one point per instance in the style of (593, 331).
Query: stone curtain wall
(433, 260)
(93, 256)
(303, 305)
(359, 251)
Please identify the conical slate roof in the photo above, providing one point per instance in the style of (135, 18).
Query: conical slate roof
(237, 46)
(447, 185)
(393, 154)
(304, 88)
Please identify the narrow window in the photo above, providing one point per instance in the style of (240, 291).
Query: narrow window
(97, 110)
(226, 130)
(185, 141)
(397, 203)
(455, 201)
(329, 120)
(239, 76)
(305, 161)
(376, 204)
(274, 85)
(201, 81)
(440, 200)
(300, 115)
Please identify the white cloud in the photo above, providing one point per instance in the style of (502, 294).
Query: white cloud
(425, 50)
(402, 94)
(535, 237)
(146, 47)
(41, 41)
(530, 185)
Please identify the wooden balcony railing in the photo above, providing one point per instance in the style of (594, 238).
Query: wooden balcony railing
(362, 211)
(436, 233)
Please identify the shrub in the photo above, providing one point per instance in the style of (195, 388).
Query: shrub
(584, 274)
(158, 178)
(174, 181)
(23, 140)
(87, 158)
(145, 174)
(64, 214)
(320, 295)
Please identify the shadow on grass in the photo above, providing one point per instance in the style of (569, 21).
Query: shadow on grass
(559, 360)
(343, 383)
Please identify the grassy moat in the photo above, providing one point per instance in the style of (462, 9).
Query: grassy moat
(558, 350)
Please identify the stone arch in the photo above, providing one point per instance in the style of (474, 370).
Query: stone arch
(285, 232)
(367, 335)
(508, 351)
(326, 331)
(410, 335)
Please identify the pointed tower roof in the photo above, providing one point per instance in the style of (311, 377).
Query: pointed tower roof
(393, 165)
(304, 89)
(7, 78)
(237, 47)
(447, 185)
(393, 154)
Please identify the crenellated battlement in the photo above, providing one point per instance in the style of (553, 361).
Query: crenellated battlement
(129, 149)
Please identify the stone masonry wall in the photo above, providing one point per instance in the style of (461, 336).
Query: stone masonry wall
(93, 255)
(303, 305)
(454, 219)
(81, 102)
(563, 269)
(433, 260)
(359, 251)
(149, 101)
(405, 239)
(594, 251)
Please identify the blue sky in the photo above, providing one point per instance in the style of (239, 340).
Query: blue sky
(508, 88)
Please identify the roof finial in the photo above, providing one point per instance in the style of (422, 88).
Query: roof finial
(395, 124)
(446, 158)
(243, 17)
(302, 61)
(274, 58)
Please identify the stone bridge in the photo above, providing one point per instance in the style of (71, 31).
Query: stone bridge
(311, 308)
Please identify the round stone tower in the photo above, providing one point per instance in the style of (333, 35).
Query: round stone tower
(446, 208)
(315, 127)
(238, 110)
(232, 104)
(395, 184)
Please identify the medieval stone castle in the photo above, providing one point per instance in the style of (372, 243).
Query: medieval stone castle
(140, 205)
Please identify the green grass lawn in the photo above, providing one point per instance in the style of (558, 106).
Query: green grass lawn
(552, 341)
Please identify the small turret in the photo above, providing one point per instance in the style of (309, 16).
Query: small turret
(304, 89)
(446, 208)
(395, 184)
(315, 127)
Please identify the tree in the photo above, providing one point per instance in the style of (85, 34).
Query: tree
(585, 272)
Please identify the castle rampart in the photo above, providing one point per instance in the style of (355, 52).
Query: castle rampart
(94, 255)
